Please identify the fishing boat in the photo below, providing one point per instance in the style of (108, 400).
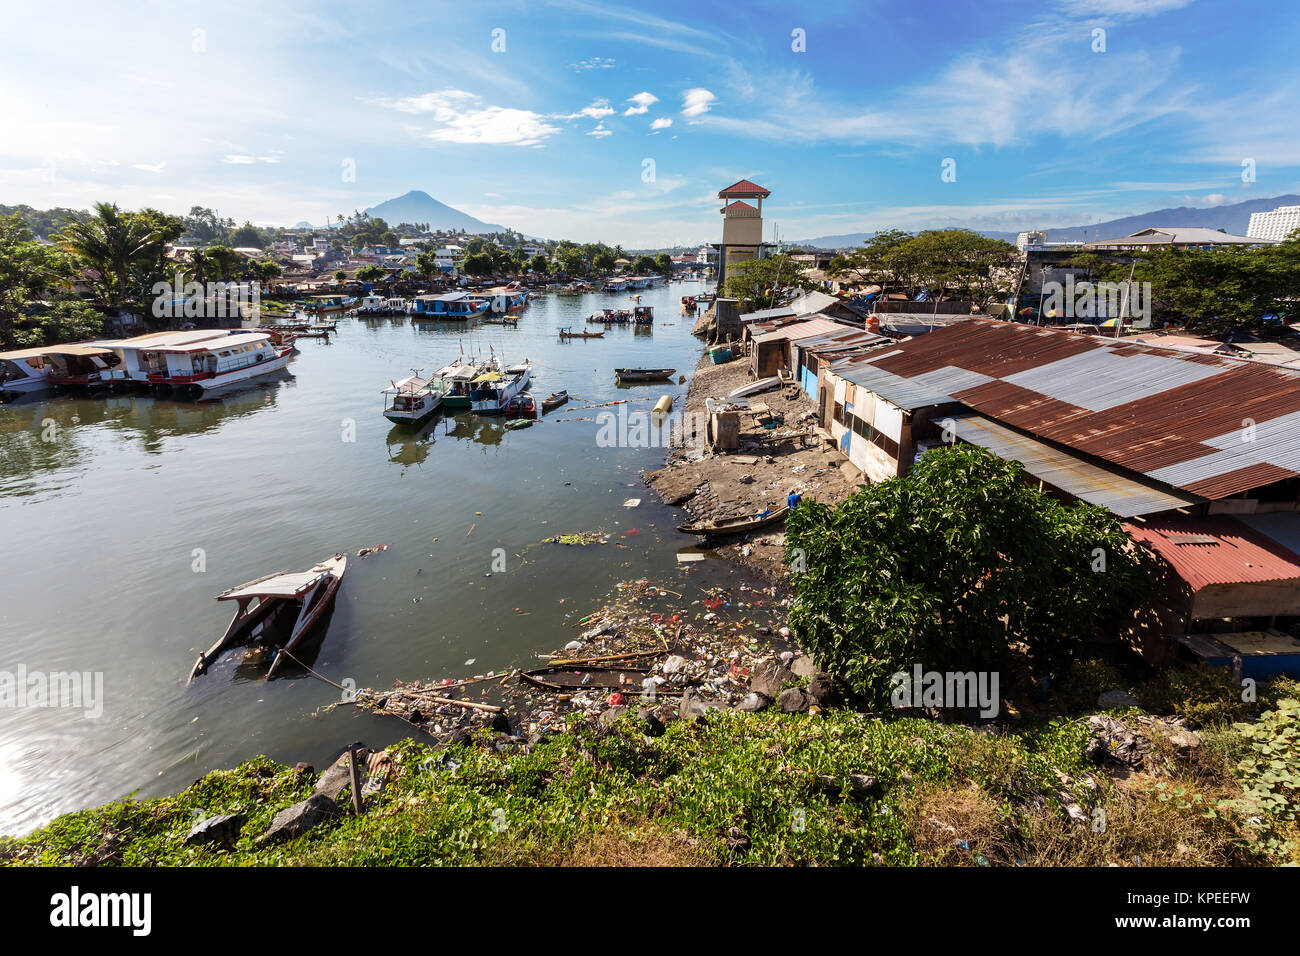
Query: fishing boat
(721, 526)
(329, 303)
(493, 390)
(502, 320)
(216, 362)
(450, 306)
(643, 374)
(568, 333)
(413, 399)
(267, 605)
(23, 370)
(378, 306)
(85, 365)
(554, 400)
(457, 382)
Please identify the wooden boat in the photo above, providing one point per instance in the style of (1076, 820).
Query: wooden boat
(568, 333)
(579, 677)
(554, 400)
(305, 594)
(721, 526)
(753, 388)
(643, 374)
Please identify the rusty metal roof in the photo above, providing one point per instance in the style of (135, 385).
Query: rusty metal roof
(1216, 550)
(1089, 482)
(1211, 425)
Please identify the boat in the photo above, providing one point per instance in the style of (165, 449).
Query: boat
(502, 320)
(215, 362)
(23, 370)
(303, 596)
(517, 423)
(753, 388)
(329, 303)
(457, 382)
(493, 390)
(377, 306)
(521, 406)
(568, 333)
(554, 400)
(578, 676)
(413, 399)
(80, 365)
(450, 306)
(643, 374)
(720, 526)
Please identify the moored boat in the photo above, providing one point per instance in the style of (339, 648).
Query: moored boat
(493, 390)
(568, 333)
(329, 303)
(723, 526)
(23, 370)
(450, 306)
(643, 374)
(413, 399)
(216, 362)
(554, 400)
(302, 597)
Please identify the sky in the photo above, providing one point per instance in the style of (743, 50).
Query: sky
(599, 121)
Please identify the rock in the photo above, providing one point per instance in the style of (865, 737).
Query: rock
(737, 840)
(754, 702)
(1116, 698)
(222, 830)
(770, 678)
(612, 714)
(299, 818)
(863, 784)
(338, 777)
(304, 769)
(654, 726)
(792, 700)
(674, 664)
(825, 690)
(803, 666)
(501, 724)
(693, 706)
(1185, 741)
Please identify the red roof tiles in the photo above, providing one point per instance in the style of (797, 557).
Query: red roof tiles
(744, 188)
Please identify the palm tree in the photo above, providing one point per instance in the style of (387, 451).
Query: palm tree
(112, 242)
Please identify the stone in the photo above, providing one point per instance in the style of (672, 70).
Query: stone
(825, 690)
(1116, 698)
(863, 784)
(693, 706)
(222, 830)
(803, 666)
(339, 777)
(612, 714)
(792, 700)
(737, 840)
(304, 769)
(296, 820)
(753, 702)
(770, 678)
(654, 724)
(1185, 741)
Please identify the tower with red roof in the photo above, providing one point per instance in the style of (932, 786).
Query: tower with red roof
(742, 225)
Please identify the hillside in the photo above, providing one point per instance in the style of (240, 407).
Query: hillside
(1233, 218)
(417, 206)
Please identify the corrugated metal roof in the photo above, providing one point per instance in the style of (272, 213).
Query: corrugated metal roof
(905, 393)
(1212, 425)
(1282, 526)
(1092, 483)
(1216, 550)
(797, 330)
(762, 314)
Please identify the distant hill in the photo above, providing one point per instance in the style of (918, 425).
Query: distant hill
(1234, 219)
(419, 206)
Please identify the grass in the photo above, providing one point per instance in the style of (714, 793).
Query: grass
(947, 794)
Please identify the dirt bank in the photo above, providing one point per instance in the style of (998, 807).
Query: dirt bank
(768, 466)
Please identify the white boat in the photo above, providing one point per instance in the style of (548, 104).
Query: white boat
(753, 388)
(413, 399)
(136, 353)
(24, 370)
(217, 362)
(306, 595)
(494, 389)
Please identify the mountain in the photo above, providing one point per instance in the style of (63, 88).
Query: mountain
(419, 206)
(1234, 219)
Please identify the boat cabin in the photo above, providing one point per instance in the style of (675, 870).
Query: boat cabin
(209, 359)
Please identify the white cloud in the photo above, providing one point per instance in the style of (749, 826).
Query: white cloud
(155, 168)
(697, 101)
(641, 104)
(237, 159)
(662, 122)
(597, 110)
(462, 117)
(600, 132)
(1129, 9)
(594, 63)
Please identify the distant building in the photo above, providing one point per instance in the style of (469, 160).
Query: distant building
(1030, 239)
(742, 226)
(1178, 237)
(1275, 225)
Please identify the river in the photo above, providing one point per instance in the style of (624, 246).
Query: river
(122, 516)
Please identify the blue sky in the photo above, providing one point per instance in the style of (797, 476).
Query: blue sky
(544, 115)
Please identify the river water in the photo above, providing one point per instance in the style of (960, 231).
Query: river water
(122, 516)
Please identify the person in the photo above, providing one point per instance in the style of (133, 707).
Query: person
(793, 500)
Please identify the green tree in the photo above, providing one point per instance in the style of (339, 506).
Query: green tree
(217, 264)
(604, 262)
(571, 261)
(426, 263)
(478, 264)
(36, 304)
(114, 243)
(759, 282)
(949, 568)
(644, 265)
(664, 264)
(371, 273)
(247, 235)
(539, 265)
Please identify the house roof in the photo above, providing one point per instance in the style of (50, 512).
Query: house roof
(798, 330)
(738, 204)
(1181, 235)
(1216, 550)
(744, 188)
(1211, 425)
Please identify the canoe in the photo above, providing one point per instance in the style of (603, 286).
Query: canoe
(554, 400)
(566, 334)
(721, 526)
(643, 374)
(307, 594)
(753, 388)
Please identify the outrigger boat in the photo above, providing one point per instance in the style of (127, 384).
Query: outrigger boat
(568, 333)
(720, 526)
(643, 374)
(308, 593)
(414, 399)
